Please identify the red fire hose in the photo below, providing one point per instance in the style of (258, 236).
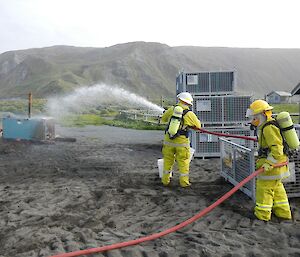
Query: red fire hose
(225, 135)
(167, 231)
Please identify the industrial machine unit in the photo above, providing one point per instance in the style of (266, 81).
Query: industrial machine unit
(34, 129)
(206, 83)
(221, 110)
(216, 105)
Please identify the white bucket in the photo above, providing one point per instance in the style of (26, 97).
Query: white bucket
(160, 165)
(192, 151)
(292, 177)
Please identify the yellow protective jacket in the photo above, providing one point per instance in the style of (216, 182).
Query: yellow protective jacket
(189, 120)
(271, 139)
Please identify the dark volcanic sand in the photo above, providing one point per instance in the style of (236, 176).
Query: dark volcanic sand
(104, 189)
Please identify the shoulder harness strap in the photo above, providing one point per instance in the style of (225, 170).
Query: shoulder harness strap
(180, 131)
(285, 145)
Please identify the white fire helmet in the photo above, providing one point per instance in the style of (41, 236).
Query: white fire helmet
(185, 97)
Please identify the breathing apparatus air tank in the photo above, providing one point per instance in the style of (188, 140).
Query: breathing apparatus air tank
(175, 120)
(288, 131)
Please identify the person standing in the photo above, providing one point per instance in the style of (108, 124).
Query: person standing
(270, 192)
(177, 146)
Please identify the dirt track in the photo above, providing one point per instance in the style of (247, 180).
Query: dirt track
(104, 188)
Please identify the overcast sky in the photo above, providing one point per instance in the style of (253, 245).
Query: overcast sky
(101, 23)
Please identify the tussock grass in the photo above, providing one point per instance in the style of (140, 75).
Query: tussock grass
(291, 108)
(118, 121)
(21, 106)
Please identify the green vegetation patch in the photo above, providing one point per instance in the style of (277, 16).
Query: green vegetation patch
(21, 106)
(82, 120)
(118, 121)
(122, 120)
(291, 108)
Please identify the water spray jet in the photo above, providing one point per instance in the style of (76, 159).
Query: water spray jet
(90, 97)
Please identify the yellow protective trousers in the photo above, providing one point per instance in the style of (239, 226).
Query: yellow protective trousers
(271, 196)
(182, 156)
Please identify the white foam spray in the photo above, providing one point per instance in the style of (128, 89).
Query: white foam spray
(88, 97)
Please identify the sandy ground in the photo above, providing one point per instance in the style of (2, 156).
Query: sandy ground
(104, 188)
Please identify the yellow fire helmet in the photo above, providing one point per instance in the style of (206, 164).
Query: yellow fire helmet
(258, 106)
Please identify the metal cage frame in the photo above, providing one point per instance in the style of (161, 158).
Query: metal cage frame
(235, 170)
(207, 82)
(221, 110)
(207, 145)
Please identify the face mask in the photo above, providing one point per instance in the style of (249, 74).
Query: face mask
(255, 121)
(258, 119)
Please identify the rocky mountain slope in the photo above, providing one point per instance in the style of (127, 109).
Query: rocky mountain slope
(149, 69)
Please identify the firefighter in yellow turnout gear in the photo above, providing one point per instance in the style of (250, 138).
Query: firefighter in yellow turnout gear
(270, 193)
(178, 147)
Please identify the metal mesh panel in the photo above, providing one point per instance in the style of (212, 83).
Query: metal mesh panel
(222, 81)
(206, 83)
(237, 163)
(202, 85)
(209, 109)
(293, 188)
(235, 108)
(207, 145)
(203, 82)
(221, 110)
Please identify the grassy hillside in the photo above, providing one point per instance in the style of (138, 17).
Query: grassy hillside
(148, 69)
